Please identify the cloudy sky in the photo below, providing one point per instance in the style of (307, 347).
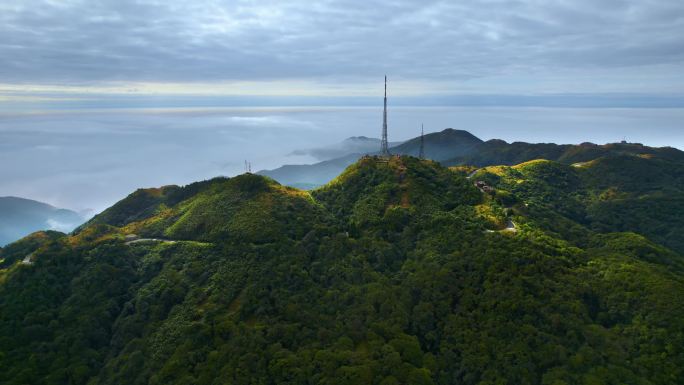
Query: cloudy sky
(98, 98)
(333, 48)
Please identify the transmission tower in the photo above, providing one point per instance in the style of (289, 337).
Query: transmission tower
(384, 148)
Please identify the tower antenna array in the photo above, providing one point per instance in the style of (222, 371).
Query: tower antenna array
(384, 148)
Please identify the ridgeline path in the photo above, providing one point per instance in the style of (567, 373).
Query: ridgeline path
(472, 174)
(142, 240)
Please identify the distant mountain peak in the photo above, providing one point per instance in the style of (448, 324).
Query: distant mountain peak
(21, 216)
(361, 139)
(18, 200)
(453, 131)
(352, 145)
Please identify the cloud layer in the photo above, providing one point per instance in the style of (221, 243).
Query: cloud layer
(516, 45)
(91, 159)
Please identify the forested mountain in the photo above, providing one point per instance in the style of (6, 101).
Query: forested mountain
(441, 146)
(20, 217)
(398, 271)
(499, 152)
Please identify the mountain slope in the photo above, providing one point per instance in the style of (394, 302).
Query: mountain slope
(643, 194)
(20, 217)
(499, 152)
(398, 271)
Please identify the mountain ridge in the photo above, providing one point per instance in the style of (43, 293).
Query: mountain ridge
(400, 270)
(458, 147)
(21, 216)
(438, 145)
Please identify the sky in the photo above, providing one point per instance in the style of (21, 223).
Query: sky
(98, 98)
(81, 49)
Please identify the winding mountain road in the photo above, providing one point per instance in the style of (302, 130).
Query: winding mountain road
(27, 260)
(144, 240)
(511, 226)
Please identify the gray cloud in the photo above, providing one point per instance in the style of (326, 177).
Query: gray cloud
(66, 42)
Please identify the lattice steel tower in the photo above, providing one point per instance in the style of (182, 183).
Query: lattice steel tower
(383, 144)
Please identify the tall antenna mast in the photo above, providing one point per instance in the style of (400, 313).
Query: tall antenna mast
(421, 153)
(384, 148)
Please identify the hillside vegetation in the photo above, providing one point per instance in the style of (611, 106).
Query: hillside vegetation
(398, 271)
(617, 193)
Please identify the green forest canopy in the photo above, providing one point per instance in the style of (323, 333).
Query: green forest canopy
(396, 272)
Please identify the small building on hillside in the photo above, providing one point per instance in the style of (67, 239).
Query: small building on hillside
(484, 187)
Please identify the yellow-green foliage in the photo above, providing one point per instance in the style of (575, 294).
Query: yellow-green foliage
(366, 190)
(492, 214)
(612, 193)
(247, 207)
(463, 170)
(531, 164)
(95, 233)
(497, 170)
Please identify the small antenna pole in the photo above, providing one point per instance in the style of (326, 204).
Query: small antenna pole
(421, 152)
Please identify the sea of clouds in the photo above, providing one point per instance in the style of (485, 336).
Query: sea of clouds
(89, 159)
